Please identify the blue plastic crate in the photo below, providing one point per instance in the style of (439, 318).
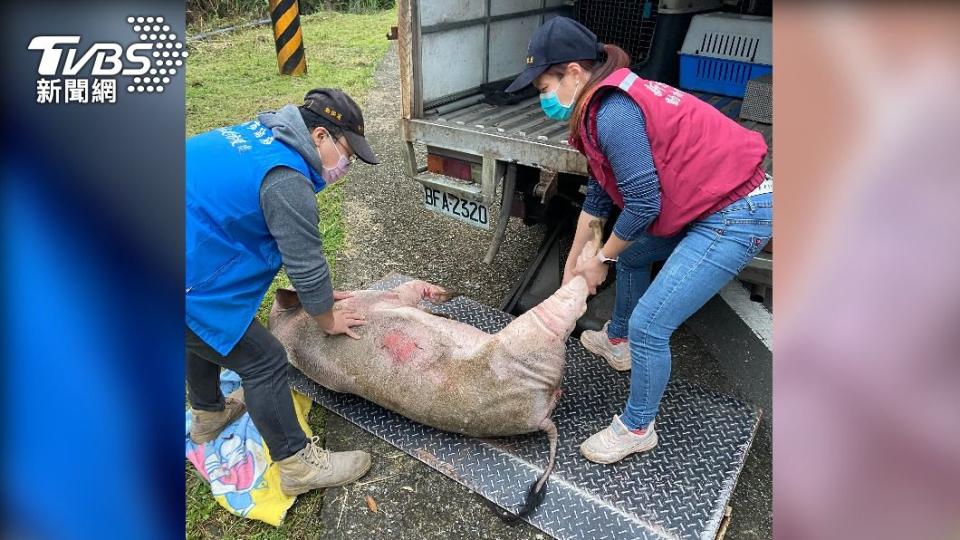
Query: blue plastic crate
(718, 76)
(722, 51)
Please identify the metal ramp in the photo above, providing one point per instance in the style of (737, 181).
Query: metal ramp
(678, 490)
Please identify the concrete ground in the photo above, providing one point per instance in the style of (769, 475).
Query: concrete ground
(388, 230)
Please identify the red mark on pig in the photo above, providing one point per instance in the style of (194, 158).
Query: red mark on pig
(400, 346)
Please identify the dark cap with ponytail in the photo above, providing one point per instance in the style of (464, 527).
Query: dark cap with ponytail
(614, 58)
(559, 40)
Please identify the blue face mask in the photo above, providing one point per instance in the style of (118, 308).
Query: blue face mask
(552, 107)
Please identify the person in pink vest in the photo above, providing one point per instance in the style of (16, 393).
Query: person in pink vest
(691, 190)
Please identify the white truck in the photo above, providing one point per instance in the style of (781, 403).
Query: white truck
(455, 60)
(472, 146)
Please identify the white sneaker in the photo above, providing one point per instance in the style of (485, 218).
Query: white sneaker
(617, 442)
(618, 356)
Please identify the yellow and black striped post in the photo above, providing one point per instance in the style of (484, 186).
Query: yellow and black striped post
(285, 15)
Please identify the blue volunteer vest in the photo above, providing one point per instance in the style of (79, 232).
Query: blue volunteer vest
(231, 256)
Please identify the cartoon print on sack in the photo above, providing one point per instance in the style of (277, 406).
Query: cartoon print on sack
(233, 468)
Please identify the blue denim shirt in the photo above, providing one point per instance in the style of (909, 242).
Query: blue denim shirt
(623, 138)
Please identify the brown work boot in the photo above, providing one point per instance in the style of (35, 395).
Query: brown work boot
(313, 468)
(206, 425)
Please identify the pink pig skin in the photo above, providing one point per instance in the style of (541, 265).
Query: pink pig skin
(441, 372)
(434, 370)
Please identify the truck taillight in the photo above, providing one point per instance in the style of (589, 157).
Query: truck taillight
(457, 168)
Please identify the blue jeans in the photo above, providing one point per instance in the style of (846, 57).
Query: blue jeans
(699, 262)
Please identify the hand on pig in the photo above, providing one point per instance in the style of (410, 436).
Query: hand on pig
(590, 267)
(340, 321)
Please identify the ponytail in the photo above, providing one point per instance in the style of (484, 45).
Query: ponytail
(615, 58)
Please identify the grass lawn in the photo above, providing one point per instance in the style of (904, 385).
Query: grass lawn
(229, 79)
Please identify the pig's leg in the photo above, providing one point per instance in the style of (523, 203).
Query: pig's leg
(412, 293)
(554, 319)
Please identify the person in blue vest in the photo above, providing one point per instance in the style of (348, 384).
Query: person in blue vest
(251, 207)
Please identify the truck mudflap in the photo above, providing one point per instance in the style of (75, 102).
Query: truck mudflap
(680, 489)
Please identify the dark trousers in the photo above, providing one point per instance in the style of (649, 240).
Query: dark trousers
(261, 362)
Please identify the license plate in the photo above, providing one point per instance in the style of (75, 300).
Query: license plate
(448, 204)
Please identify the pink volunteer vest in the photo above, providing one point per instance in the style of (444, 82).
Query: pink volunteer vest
(704, 160)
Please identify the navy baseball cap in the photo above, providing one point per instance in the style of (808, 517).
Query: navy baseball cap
(342, 111)
(558, 41)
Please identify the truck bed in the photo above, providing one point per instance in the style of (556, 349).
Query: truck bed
(525, 121)
(518, 133)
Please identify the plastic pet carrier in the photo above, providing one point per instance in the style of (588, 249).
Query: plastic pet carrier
(627, 23)
(722, 51)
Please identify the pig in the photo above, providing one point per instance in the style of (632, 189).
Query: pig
(437, 371)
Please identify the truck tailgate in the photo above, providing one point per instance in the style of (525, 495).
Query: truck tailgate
(525, 121)
(520, 120)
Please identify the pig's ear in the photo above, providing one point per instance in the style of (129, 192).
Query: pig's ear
(287, 299)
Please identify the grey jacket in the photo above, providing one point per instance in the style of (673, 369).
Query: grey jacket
(290, 209)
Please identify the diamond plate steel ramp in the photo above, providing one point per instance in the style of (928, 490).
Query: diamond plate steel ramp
(677, 490)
